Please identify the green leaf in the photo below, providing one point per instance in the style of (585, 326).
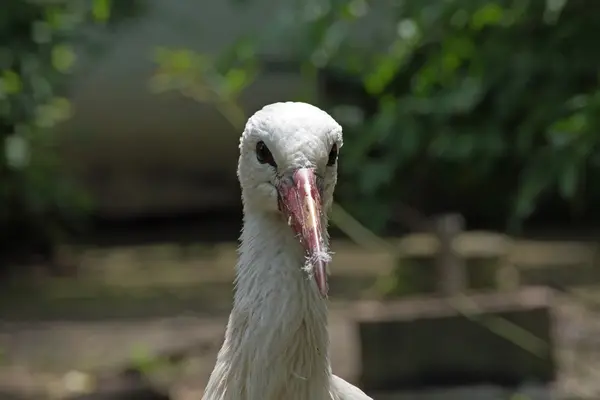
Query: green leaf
(245, 49)
(5, 107)
(101, 10)
(41, 87)
(62, 108)
(63, 57)
(553, 10)
(41, 32)
(465, 96)
(354, 9)
(160, 83)
(571, 126)
(490, 14)
(568, 180)
(10, 82)
(142, 358)
(236, 80)
(162, 55)
(386, 68)
(53, 112)
(376, 82)
(537, 177)
(16, 151)
(181, 60)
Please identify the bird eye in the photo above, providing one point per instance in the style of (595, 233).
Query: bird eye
(332, 156)
(263, 154)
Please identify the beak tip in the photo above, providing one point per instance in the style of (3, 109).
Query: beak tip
(321, 278)
(324, 291)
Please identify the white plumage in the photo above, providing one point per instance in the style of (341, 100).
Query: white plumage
(276, 343)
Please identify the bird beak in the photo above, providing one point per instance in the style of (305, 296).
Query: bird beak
(300, 201)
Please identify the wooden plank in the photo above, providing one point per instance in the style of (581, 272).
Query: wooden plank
(543, 254)
(524, 253)
(478, 392)
(176, 264)
(468, 244)
(426, 341)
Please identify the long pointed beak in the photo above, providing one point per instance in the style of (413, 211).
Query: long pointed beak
(300, 201)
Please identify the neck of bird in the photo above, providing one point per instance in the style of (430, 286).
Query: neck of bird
(276, 343)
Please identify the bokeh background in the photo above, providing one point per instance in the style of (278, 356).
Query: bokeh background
(470, 171)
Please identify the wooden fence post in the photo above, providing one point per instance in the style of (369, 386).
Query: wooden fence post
(452, 273)
(508, 276)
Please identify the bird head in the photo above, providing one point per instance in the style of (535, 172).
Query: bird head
(288, 169)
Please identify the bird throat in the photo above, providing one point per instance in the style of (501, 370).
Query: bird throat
(276, 345)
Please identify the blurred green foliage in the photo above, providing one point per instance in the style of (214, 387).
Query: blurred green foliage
(491, 106)
(37, 55)
(499, 95)
(204, 78)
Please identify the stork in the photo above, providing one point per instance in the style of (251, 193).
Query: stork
(276, 343)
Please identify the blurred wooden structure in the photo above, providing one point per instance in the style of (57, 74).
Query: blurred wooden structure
(424, 341)
(450, 267)
(513, 260)
(459, 337)
(175, 266)
(198, 263)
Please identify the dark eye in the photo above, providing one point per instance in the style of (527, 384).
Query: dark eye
(263, 154)
(332, 155)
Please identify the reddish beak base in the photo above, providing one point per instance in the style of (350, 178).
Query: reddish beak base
(300, 201)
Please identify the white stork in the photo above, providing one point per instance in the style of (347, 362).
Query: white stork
(276, 344)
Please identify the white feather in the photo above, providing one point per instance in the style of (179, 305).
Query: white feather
(276, 344)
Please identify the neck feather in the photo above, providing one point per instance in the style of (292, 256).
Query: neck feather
(276, 344)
